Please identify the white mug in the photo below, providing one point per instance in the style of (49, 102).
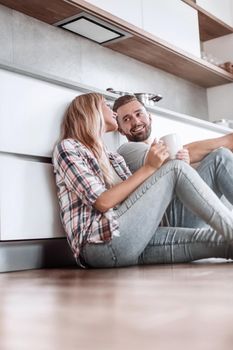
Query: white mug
(173, 143)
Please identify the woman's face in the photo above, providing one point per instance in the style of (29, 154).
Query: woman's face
(109, 117)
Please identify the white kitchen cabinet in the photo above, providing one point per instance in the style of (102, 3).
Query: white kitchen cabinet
(31, 111)
(129, 10)
(220, 102)
(220, 48)
(28, 201)
(222, 9)
(173, 21)
(220, 97)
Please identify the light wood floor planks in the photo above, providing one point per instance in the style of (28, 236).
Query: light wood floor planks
(155, 307)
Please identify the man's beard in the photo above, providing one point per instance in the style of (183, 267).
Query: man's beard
(141, 136)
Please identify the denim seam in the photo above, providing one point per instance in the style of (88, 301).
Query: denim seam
(208, 164)
(112, 252)
(184, 243)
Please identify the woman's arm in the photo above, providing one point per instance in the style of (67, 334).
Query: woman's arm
(115, 195)
(199, 149)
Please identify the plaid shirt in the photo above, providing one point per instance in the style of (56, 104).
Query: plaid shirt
(80, 182)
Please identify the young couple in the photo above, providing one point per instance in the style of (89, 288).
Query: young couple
(114, 218)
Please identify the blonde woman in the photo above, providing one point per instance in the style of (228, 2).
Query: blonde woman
(111, 217)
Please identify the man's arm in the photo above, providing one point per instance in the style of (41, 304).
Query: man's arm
(199, 149)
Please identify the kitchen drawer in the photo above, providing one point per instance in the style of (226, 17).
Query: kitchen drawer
(28, 201)
(31, 111)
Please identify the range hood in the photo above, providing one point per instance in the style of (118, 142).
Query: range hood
(93, 28)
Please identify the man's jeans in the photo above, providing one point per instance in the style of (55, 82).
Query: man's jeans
(216, 169)
(141, 241)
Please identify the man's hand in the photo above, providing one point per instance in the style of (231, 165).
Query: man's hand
(228, 141)
(157, 155)
(183, 154)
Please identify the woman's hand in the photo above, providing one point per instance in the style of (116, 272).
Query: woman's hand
(157, 155)
(183, 154)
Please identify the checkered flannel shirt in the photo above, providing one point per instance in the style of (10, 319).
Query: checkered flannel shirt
(79, 183)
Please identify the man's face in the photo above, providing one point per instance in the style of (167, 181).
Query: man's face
(133, 121)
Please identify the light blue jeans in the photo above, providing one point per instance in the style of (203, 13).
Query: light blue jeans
(141, 241)
(216, 169)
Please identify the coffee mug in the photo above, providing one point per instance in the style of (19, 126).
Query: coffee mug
(173, 143)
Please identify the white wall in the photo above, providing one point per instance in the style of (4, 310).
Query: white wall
(222, 9)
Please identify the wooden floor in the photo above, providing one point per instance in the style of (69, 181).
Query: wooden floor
(156, 307)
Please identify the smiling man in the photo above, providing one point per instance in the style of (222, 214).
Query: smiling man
(133, 120)
(215, 156)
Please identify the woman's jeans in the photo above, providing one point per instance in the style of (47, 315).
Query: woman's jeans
(141, 241)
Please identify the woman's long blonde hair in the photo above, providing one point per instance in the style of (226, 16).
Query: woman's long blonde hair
(84, 121)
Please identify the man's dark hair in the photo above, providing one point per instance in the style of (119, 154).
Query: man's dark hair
(121, 101)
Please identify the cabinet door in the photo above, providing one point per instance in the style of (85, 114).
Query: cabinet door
(220, 102)
(222, 9)
(28, 201)
(173, 21)
(31, 111)
(129, 10)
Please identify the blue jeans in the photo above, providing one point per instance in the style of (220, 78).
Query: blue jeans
(141, 239)
(216, 169)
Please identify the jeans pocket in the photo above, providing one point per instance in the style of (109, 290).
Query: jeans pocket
(99, 255)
